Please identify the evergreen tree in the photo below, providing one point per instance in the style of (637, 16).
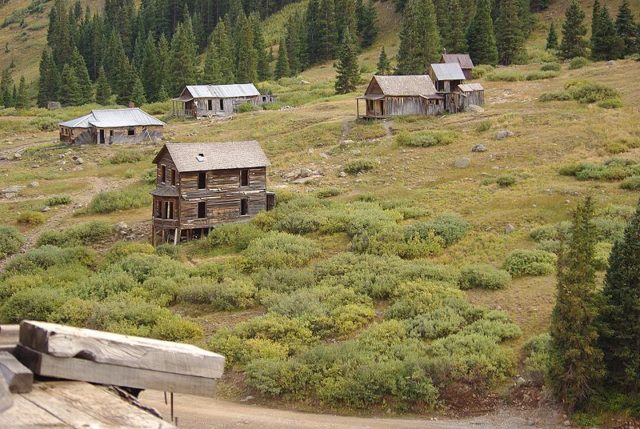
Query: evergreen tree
(246, 69)
(59, 35)
(327, 30)
(443, 19)
(348, 71)
(219, 63)
(573, 32)
(552, 37)
(164, 63)
(294, 45)
(367, 22)
(313, 30)
(384, 65)
(575, 360)
(137, 93)
(595, 21)
(627, 30)
(419, 39)
(481, 37)
(6, 83)
(86, 88)
(22, 97)
(151, 69)
(430, 36)
(509, 38)
(605, 43)
(183, 63)
(259, 45)
(49, 81)
(345, 18)
(70, 90)
(620, 332)
(456, 40)
(103, 90)
(138, 50)
(282, 64)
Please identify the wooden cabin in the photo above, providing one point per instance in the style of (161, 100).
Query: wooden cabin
(449, 82)
(202, 185)
(204, 101)
(400, 95)
(112, 126)
(464, 60)
(472, 94)
(446, 77)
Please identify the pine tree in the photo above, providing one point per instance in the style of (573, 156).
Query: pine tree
(151, 69)
(219, 63)
(164, 64)
(595, 22)
(605, 43)
(49, 81)
(246, 69)
(573, 32)
(282, 64)
(627, 30)
(552, 37)
(22, 96)
(6, 83)
(575, 360)
(620, 332)
(313, 31)
(259, 45)
(183, 62)
(384, 65)
(79, 66)
(481, 37)
(456, 41)
(294, 45)
(430, 35)
(509, 38)
(70, 90)
(327, 30)
(137, 94)
(103, 90)
(348, 71)
(419, 39)
(367, 22)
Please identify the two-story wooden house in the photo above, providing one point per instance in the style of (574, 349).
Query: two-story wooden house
(201, 185)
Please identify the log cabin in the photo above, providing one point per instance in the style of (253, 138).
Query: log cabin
(112, 126)
(466, 64)
(202, 185)
(400, 95)
(205, 101)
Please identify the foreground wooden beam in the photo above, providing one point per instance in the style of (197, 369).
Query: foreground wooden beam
(6, 400)
(18, 377)
(120, 350)
(116, 375)
(9, 335)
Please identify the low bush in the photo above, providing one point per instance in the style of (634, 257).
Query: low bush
(10, 240)
(541, 75)
(530, 263)
(555, 96)
(631, 183)
(551, 232)
(174, 328)
(578, 63)
(45, 124)
(414, 298)
(142, 267)
(601, 256)
(247, 107)
(106, 283)
(31, 218)
(234, 235)
(610, 103)
(450, 227)
(613, 169)
(125, 157)
(281, 250)
(587, 92)
(122, 249)
(284, 280)
(481, 71)
(230, 294)
(298, 222)
(31, 304)
(169, 250)
(359, 166)
(615, 148)
(483, 277)
(121, 199)
(484, 126)
(550, 67)
(393, 240)
(328, 192)
(505, 75)
(536, 362)
(47, 256)
(425, 138)
(58, 200)
(83, 234)
(506, 181)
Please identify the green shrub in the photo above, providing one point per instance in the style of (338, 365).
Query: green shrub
(230, 294)
(234, 235)
(284, 280)
(587, 92)
(294, 334)
(110, 282)
(411, 299)
(48, 256)
(494, 324)
(530, 263)
(31, 304)
(555, 96)
(392, 240)
(247, 107)
(328, 192)
(578, 63)
(359, 166)
(536, 362)
(173, 328)
(484, 126)
(121, 249)
(540, 75)
(10, 240)
(613, 169)
(440, 322)
(31, 218)
(45, 124)
(550, 232)
(615, 148)
(142, 267)
(550, 67)
(83, 234)
(169, 250)
(281, 250)
(601, 257)
(58, 200)
(125, 157)
(150, 177)
(299, 222)
(506, 181)
(481, 70)
(425, 138)
(631, 183)
(121, 199)
(484, 277)
(450, 227)
(610, 103)
(505, 75)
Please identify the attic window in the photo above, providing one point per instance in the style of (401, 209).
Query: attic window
(200, 157)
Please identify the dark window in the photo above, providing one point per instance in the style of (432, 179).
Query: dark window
(244, 177)
(202, 210)
(173, 177)
(163, 174)
(221, 104)
(244, 207)
(202, 180)
(131, 132)
(158, 209)
(210, 104)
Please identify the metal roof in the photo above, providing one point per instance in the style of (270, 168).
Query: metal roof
(470, 87)
(463, 59)
(404, 86)
(215, 156)
(448, 71)
(114, 118)
(220, 91)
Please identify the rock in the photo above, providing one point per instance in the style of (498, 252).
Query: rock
(35, 166)
(247, 398)
(14, 189)
(122, 228)
(479, 148)
(10, 195)
(79, 160)
(462, 163)
(509, 228)
(611, 63)
(356, 152)
(303, 180)
(520, 381)
(347, 142)
(475, 109)
(325, 155)
(503, 134)
(342, 174)
(17, 156)
(45, 209)
(304, 172)
(567, 423)
(34, 184)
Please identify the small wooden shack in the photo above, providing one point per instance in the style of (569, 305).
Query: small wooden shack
(449, 82)
(202, 101)
(472, 94)
(111, 126)
(464, 60)
(201, 185)
(400, 95)
(446, 77)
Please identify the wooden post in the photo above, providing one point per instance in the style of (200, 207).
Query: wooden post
(357, 108)
(175, 236)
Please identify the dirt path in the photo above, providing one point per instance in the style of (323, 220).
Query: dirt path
(205, 413)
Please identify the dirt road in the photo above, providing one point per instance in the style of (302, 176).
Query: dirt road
(204, 413)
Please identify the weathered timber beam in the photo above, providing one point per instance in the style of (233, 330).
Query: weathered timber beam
(18, 377)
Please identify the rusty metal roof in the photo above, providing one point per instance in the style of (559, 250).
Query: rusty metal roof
(406, 86)
(463, 59)
(220, 91)
(470, 87)
(215, 156)
(114, 118)
(448, 71)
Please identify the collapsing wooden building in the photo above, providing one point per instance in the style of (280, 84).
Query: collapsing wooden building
(466, 64)
(202, 101)
(449, 82)
(400, 95)
(112, 126)
(202, 185)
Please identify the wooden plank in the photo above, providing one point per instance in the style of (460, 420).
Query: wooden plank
(18, 377)
(6, 399)
(85, 370)
(9, 335)
(26, 415)
(122, 350)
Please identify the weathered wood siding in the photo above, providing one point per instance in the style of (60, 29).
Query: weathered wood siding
(120, 135)
(229, 105)
(396, 106)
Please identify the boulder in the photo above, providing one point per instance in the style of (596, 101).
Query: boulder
(479, 148)
(474, 108)
(462, 163)
(503, 134)
(17, 156)
(14, 189)
(34, 184)
(79, 160)
(509, 228)
(611, 63)
(45, 209)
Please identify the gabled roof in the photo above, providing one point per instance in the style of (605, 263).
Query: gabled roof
(215, 156)
(114, 118)
(219, 91)
(470, 87)
(448, 71)
(411, 85)
(463, 59)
